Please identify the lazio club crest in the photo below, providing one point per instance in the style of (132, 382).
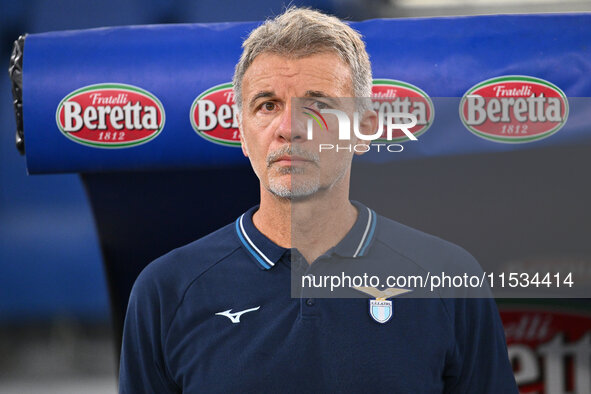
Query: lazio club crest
(381, 309)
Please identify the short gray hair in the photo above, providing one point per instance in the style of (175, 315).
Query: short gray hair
(301, 32)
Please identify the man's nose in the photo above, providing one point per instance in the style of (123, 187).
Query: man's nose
(292, 124)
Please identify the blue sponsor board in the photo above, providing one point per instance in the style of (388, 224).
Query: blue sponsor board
(443, 57)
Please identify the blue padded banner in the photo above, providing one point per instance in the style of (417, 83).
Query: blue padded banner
(159, 97)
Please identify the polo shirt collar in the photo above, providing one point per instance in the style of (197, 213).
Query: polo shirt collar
(266, 253)
(358, 240)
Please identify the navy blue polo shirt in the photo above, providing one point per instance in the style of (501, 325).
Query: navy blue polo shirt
(217, 316)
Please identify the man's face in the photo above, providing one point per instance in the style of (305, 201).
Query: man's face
(286, 163)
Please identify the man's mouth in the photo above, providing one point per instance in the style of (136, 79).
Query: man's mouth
(292, 160)
(292, 156)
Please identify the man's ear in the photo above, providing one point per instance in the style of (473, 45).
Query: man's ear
(242, 143)
(367, 126)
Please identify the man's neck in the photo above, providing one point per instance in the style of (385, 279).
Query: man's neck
(311, 225)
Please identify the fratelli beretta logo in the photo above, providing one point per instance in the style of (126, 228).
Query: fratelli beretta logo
(110, 115)
(514, 109)
(214, 115)
(392, 96)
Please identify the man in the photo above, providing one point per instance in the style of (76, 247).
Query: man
(217, 316)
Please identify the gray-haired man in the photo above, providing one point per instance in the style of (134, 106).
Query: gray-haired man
(217, 316)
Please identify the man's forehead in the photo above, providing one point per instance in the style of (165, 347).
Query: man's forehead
(319, 74)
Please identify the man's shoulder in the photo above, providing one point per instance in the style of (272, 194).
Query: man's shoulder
(177, 269)
(426, 250)
(433, 257)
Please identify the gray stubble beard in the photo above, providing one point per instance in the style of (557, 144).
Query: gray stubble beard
(302, 186)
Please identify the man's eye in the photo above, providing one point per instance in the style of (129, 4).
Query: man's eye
(268, 106)
(321, 105)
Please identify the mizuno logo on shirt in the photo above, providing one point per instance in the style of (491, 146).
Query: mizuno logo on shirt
(235, 317)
